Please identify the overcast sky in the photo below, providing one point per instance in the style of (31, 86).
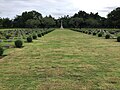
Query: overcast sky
(56, 8)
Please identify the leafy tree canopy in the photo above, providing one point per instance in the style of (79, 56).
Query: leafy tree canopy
(34, 19)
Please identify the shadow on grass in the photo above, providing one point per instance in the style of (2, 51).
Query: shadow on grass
(28, 42)
(2, 56)
(20, 47)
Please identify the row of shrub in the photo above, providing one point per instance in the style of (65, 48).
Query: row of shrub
(14, 33)
(97, 32)
(19, 43)
(118, 38)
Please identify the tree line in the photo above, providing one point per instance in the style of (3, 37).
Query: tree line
(34, 19)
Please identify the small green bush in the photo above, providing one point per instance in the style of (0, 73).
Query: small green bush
(39, 35)
(83, 31)
(42, 34)
(89, 32)
(18, 43)
(118, 39)
(29, 39)
(1, 51)
(86, 32)
(34, 37)
(8, 36)
(94, 33)
(107, 36)
(100, 35)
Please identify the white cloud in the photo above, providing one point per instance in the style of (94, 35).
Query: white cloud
(56, 8)
(96, 5)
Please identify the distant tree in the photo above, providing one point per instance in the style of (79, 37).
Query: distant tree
(65, 21)
(34, 19)
(0, 22)
(6, 23)
(32, 23)
(113, 19)
(92, 23)
(31, 15)
(94, 18)
(81, 14)
(48, 22)
(20, 21)
(76, 22)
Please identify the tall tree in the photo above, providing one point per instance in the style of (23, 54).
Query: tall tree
(20, 21)
(0, 22)
(81, 14)
(92, 23)
(76, 22)
(49, 22)
(32, 23)
(6, 23)
(114, 18)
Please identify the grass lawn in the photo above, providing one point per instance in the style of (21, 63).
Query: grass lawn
(62, 60)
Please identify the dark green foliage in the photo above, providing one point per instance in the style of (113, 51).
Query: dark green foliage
(28, 19)
(8, 36)
(118, 39)
(94, 33)
(34, 19)
(29, 39)
(91, 22)
(34, 37)
(49, 22)
(100, 35)
(1, 51)
(32, 23)
(86, 32)
(18, 43)
(113, 19)
(83, 31)
(6, 23)
(89, 32)
(76, 22)
(107, 36)
(42, 34)
(39, 35)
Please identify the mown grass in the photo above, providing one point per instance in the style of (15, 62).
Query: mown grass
(62, 60)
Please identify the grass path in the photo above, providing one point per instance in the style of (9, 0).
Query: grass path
(63, 60)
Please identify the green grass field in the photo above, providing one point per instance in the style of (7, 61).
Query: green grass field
(62, 60)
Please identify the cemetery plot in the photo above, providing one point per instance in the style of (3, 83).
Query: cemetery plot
(63, 60)
(107, 34)
(9, 37)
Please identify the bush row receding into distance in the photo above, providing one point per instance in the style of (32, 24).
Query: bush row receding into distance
(19, 42)
(100, 33)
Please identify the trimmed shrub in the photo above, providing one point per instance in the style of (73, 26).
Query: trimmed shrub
(100, 35)
(94, 33)
(89, 32)
(42, 34)
(34, 37)
(8, 36)
(86, 32)
(118, 39)
(39, 35)
(1, 51)
(29, 39)
(18, 43)
(107, 36)
(83, 31)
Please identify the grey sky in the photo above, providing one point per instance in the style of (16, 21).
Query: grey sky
(56, 8)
